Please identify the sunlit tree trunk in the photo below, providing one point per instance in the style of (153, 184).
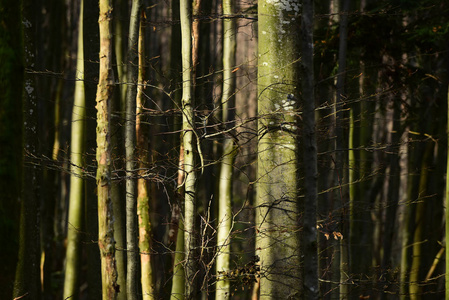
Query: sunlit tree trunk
(75, 217)
(143, 198)
(105, 90)
(277, 228)
(188, 144)
(130, 144)
(229, 152)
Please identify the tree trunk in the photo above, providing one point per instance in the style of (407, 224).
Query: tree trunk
(341, 146)
(143, 198)
(105, 90)
(447, 210)
(415, 286)
(130, 144)
(188, 143)
(277, 239)
(27, 280)
(225, 217)
(311, 286)
(75, 214)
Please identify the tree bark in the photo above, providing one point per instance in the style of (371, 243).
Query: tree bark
(143, 198)
(447, 210)
(130, 144)
(311, 286)
(277, 228)
(104, 96)
(341, 146)
(27, 280)
(225, 216)
(190, 266)
(75, 214)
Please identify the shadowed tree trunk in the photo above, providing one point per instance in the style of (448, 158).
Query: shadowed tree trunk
(341, 154)
(447, 210)
(311, 287)
(27, 280)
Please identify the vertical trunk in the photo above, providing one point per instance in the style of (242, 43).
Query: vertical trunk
(341, 146)
(176, 227)
(415, 286)
(120, 22)
(447, 210)
(188, 144)
(277, 239)
(143, 198)
(91, 38)
(130, 144)
(311, 287)
(392, 193)
(225, 219)
(196, 6)
(75, 217)
(105, 90)
(229, 152)
(27, 283)
(178, 284)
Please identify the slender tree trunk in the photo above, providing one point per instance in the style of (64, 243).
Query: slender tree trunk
(188, 143)
(447, 210)
(229, 152)
(225, 219)
(277, 239)
(130, 144)
(341, 146)
(75, 217)
(120, 22)
(27, 280)
(178, 283)
(415, 285)
(91, 38)
(143, 198)
(311, 286)
(105, 90)
(196, 8)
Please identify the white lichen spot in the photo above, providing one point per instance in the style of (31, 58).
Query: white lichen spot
(277, 106)
(264, 32)
(265, 64)
(276, 76)
(271, 122)
(28, 87)
(26, 23)
(31, 111)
